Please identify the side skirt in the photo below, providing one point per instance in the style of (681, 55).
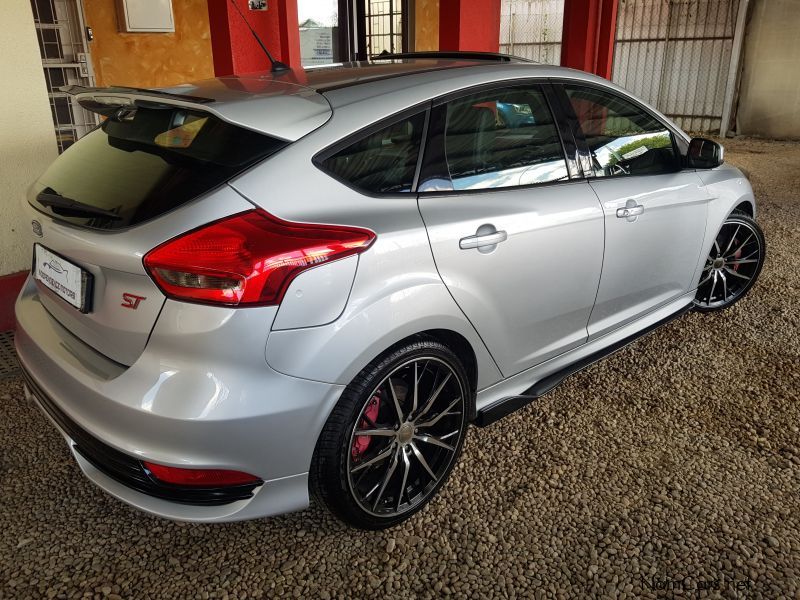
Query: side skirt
(505, 406)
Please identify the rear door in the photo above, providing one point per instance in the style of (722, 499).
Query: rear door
(122, 189)
(517, 241)
(655, 212)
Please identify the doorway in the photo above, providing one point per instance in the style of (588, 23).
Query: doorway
(61, 32)
(338, 31)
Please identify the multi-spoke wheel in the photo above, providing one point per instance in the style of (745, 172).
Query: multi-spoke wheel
(733, 265)
(394, 436)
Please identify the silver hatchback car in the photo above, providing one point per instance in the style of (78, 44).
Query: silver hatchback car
(250, 290)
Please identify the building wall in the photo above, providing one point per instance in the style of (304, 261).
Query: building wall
(769, 100)
(426, 25)
(150, 59)
(235, 49)
(27, 138)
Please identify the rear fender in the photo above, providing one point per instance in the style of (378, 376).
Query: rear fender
(371, 324)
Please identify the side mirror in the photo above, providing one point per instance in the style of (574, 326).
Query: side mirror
(705, 154)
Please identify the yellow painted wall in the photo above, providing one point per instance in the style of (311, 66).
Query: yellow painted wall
(150, 59)
(27, 137)
(426, 25)
(769, 103)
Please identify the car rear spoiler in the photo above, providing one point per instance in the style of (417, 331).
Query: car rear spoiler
(107, 101)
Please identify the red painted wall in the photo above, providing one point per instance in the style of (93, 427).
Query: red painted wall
(234, 48)
(587, 41)
(469, 25)
(10, 285)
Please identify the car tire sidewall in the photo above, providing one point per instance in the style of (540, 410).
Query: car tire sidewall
(745, 219)
(329, 478)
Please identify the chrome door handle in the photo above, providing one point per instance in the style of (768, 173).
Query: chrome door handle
(482, 241)
(630, 211)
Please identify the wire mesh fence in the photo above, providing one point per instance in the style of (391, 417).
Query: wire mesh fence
(532, 29)
(676, 54)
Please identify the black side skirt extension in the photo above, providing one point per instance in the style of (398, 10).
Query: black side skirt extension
(505, 406)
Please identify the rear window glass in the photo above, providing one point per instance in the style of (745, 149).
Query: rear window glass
(382, 162)
(131, 170)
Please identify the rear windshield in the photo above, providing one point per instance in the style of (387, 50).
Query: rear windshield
(144, 164)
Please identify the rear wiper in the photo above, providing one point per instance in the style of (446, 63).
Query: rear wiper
(67, 207)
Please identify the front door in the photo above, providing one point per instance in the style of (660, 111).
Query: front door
(517, 242)
(655, 213)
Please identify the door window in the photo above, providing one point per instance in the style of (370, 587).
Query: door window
(503, 138)
(382, 162)
(623, 139)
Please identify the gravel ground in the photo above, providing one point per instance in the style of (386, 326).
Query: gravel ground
(670, 469)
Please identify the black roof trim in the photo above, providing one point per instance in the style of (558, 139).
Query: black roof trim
(464, 55)
(332, 87)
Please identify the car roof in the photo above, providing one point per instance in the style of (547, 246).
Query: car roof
(301, 100)
(325, 79)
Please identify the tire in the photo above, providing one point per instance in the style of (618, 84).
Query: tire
(733, 265)
(352, 473)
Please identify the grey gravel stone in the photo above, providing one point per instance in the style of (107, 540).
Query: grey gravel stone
(675, 458)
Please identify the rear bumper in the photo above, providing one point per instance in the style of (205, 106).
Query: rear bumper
(200, 396)
(129, 470)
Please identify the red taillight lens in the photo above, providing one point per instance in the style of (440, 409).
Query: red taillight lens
(199, 477)
(247, 259)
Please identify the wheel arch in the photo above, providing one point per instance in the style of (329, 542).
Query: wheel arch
(337, 352)
(462, 349)
(730, 191)
(747, 207)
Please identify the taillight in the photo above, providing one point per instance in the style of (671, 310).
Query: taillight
(247, 259)
(199, 477)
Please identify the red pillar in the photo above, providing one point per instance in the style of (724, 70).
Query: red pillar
(234, 48)
(469, 25)
(587, 42)
(10, 285)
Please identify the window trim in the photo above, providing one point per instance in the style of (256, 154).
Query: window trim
(320, 157)
(556, 112)
(559, 85)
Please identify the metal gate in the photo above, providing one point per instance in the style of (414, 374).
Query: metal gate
(532, 29)
(60, 30)
(385, 26)
(676, 55)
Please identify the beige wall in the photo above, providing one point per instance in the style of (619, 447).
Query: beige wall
(27, 138)
(150, 59)
(426, 25)
(769, 100)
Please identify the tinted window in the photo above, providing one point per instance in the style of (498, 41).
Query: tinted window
(384, 161)
(502, 138)
(152, 161)
(623, 138)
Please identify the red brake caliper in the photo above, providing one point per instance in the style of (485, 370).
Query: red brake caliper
(362, 442)
(737, 255)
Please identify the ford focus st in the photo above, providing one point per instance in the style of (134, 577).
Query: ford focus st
(250, 291)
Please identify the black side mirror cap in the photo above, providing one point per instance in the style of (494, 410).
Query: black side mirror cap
(704, 154)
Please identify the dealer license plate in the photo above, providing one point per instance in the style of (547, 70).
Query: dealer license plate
(64, 278)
